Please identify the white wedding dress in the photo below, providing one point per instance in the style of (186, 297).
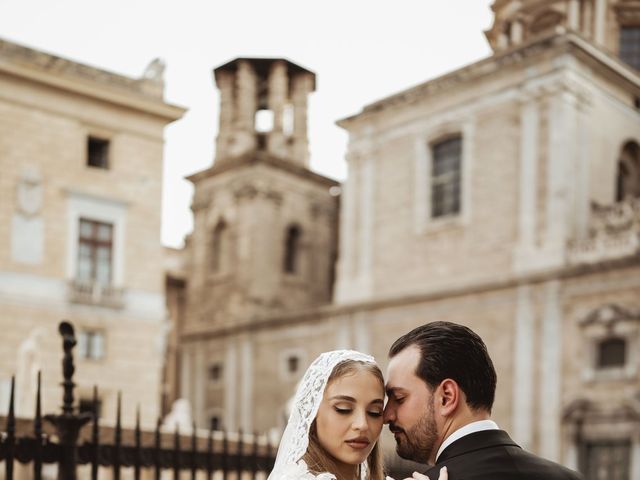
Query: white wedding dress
(295, 439)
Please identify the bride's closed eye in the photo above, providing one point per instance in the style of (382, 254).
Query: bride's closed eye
(343, 411)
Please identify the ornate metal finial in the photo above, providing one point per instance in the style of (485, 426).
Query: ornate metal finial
(68, 367)
(68, 424)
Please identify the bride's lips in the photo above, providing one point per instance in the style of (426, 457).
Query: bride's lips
(358, 443)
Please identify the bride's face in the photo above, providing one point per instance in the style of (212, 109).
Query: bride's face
(349, 419)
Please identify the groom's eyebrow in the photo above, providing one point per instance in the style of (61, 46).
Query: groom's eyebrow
(391, 391)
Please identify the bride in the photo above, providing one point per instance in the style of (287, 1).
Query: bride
(335, 422)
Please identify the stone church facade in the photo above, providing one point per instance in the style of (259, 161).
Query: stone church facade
(504, 195)
(80, 189)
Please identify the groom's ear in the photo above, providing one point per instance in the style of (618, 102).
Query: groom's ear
(449, 397)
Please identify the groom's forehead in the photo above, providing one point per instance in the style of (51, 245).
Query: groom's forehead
(402, 366)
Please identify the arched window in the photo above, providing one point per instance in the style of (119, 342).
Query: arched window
(219, 247)
(446, 174)
(628, 177)
(292, 249)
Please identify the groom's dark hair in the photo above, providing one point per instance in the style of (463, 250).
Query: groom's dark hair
(449, 350)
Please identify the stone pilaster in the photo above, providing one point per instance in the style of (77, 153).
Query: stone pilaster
(600, 21)
(302, 87)
(278, 93)
(527, 215)
(573, 16)
(517, 32)
(524, 371)
(550, 394)
(246, 103)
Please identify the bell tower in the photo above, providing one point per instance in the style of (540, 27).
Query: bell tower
(264, 238)
(263, 107)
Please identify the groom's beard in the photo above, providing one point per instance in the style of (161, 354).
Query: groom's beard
(418, 442)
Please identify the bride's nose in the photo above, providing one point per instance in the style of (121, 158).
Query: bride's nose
(360, 421)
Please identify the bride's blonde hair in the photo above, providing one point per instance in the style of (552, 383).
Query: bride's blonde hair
(317, 458)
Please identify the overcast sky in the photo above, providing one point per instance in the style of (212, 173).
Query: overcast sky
(360, 50)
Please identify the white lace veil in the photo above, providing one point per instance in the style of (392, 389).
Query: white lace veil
(295, 439)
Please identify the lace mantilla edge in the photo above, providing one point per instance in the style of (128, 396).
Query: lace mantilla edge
(295, 439)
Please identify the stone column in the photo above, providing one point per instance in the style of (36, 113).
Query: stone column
(587, 20)
(600, 21)
(503, 41)
(366, 227)
(199, 400)
(517, 32)
(582, 200)
(302, 86)
(225, 81)
(231, 387)
(246, 105)
(574, 14)
(348, 229)
(246, 379)
(278, 93)
(186, 368)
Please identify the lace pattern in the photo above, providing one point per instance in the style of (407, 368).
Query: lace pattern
(295, 439)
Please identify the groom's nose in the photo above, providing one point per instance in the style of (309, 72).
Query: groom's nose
(389, 414)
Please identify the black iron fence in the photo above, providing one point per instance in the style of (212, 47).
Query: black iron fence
(62, 439)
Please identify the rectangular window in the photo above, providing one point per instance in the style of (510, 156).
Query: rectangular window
(91, 344)
(445, 178)
(215, 423)
(612, 353)
(98, 152)
(95, 252)
(630, 46)
(215, 372)
(606, 460)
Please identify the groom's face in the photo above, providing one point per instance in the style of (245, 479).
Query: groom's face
(410, 410)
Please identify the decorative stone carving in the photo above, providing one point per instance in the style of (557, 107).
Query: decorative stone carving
(179, 417)
(27, 227)
(28, 363)
(610, 314)
(155, 71)
(614, 232)
(29, 193)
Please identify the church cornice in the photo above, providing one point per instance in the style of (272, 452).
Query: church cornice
(255, 158)
(561, 42)
(144, 95)
(284, 319)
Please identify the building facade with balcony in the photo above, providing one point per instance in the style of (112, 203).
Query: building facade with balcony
(503, 195)
(80, 197)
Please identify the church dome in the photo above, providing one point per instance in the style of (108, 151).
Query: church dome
(611, 24)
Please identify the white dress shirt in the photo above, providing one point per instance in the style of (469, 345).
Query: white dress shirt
(469, 428)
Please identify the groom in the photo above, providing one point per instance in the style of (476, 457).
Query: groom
(440, 386)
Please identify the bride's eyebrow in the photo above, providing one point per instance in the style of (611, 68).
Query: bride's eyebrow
(347, 398)
(343, 397)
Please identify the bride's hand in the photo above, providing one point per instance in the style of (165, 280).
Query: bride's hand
(444, 475)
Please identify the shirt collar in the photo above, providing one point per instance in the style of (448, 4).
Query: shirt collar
(469, 428)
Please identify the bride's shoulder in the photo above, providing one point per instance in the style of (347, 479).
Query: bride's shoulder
(300, 471)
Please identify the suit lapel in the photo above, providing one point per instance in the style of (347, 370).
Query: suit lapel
(476, 441)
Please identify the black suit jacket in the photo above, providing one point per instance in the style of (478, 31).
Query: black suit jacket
(492, 455)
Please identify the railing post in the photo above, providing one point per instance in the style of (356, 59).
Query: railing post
(68, 424)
